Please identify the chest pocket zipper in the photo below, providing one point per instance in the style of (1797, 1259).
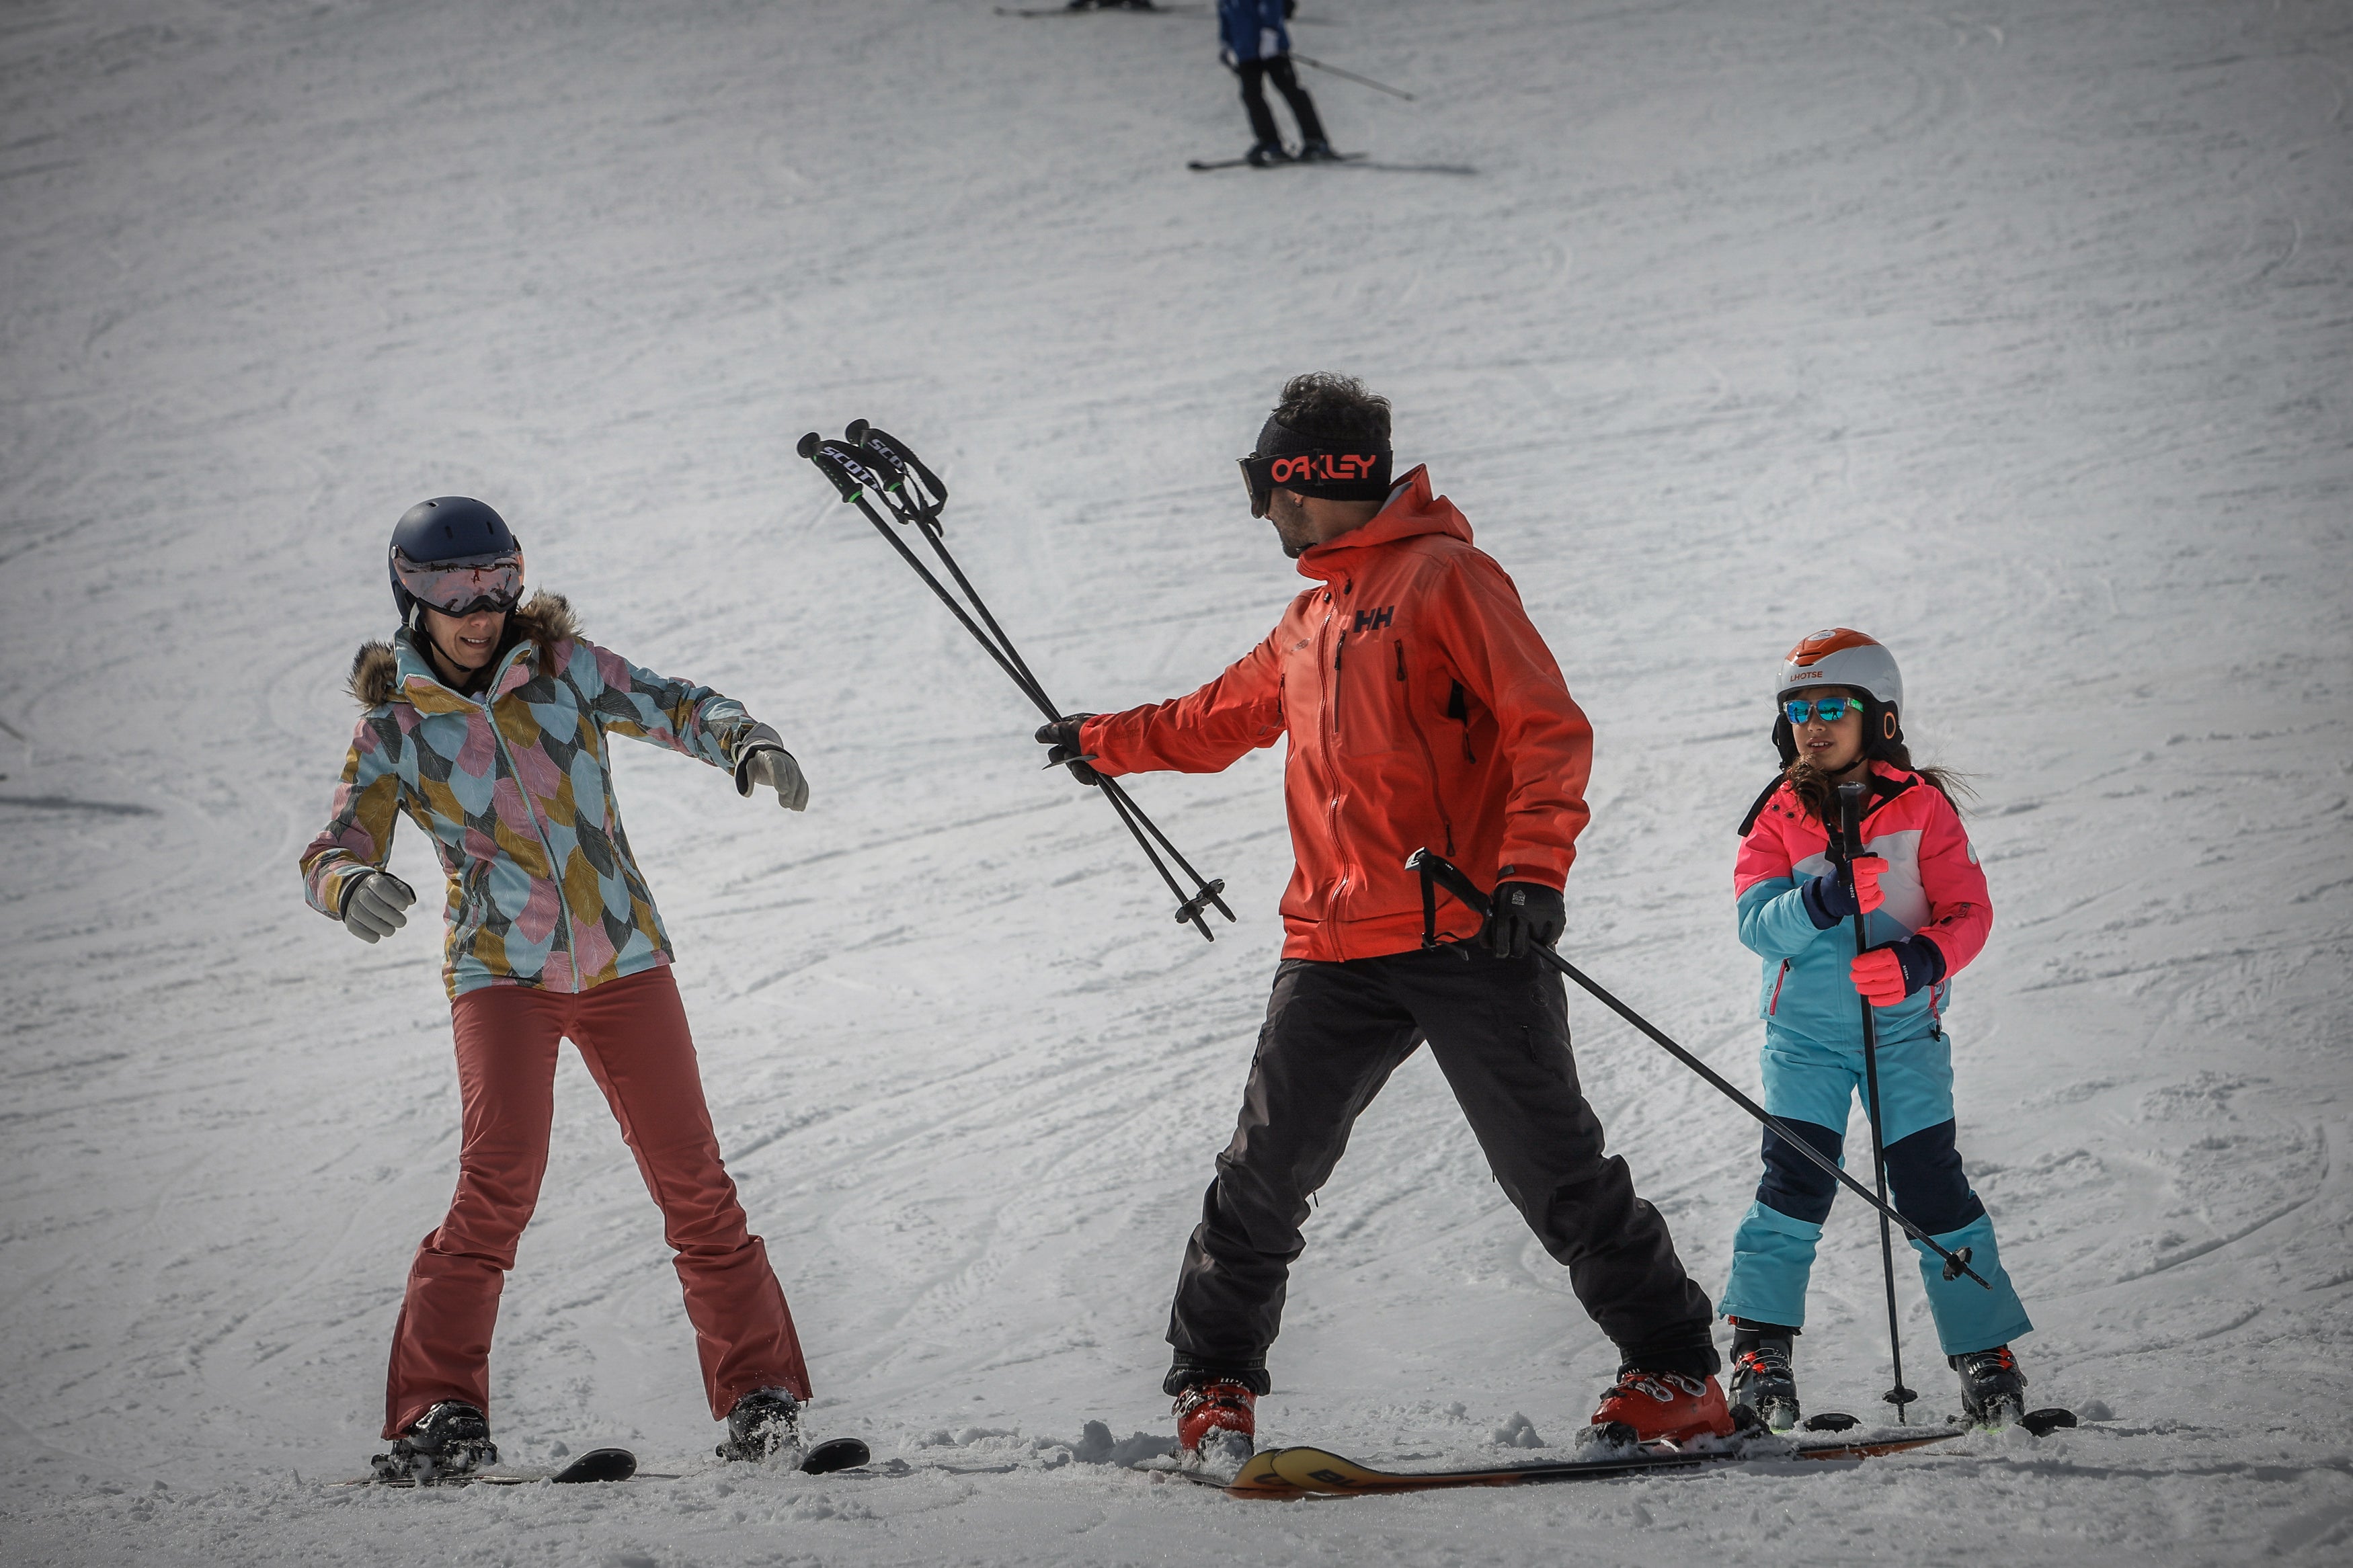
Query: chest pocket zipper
(1775, 1006)
(1421, 744)
(1458, 708)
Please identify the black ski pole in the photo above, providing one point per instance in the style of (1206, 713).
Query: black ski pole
(1352, 76)
(918, 498)
(1850, 830)
(853, 473)
(1439, 871)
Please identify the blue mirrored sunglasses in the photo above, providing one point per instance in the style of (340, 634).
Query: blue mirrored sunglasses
(1833, 709)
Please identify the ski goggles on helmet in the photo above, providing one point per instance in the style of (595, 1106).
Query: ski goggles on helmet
(1288, 460)
(1833, 709)
(462, 587)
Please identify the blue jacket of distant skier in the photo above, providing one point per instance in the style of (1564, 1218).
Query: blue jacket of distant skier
(1253, 29)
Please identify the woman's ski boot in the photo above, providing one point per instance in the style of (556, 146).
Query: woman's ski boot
(764, 1425)
(452, 1438)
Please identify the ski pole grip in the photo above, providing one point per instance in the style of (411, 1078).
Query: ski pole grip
(850, 469)
(1850, 825)
(1451, 877)
(899, 456)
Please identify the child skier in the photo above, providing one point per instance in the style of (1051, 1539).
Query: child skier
(1918, 885)
(486, 723)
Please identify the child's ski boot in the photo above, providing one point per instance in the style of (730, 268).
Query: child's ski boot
(1763, 1381)
(1993, 1391)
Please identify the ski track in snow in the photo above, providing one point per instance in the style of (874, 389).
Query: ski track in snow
(2020, 336)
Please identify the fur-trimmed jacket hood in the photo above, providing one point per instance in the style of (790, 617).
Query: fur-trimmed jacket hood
(514, 784)
(544, 620)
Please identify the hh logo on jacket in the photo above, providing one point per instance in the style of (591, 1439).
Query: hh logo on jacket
(1374, 620)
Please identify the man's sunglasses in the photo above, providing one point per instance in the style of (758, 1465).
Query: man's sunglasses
(1832, 709)
(1258, 473)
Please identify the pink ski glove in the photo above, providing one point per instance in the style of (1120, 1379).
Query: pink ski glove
(1868, 870)
(1885, 975)
(1879, 976)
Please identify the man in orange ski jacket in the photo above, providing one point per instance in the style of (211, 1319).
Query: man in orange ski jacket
(1424, 709)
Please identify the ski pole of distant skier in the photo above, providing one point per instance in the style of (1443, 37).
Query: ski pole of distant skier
(1437, 871)
(853, 469)
(1352, 76)
(1849, 845)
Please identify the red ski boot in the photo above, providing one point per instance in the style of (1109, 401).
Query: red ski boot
(1661, 1406)
(1216, 1424)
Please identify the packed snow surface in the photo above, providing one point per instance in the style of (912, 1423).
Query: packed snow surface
(2017, 333)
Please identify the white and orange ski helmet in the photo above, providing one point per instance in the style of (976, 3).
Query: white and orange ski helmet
(1842, 657)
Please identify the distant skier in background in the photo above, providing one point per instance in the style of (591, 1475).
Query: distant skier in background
(1920, 888)
(1256, 47)
(486, 723)
(1424, 709)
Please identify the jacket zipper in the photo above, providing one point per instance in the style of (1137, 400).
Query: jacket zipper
(1332, 759)
(1775, 1006)
(1429, 758)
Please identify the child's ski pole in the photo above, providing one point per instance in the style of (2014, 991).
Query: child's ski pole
(1849, 843)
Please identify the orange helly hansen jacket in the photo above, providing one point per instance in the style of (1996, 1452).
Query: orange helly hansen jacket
(1422, 709)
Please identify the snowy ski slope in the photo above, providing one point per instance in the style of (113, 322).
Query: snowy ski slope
(2019, 333)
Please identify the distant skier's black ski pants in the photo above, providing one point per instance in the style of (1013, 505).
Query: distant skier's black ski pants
(1254, 73)
(1499, 1031)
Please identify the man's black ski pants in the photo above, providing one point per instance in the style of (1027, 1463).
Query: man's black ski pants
(1499, 1031)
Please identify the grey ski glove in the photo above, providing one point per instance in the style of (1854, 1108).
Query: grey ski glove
(375, 908)
(762, 760)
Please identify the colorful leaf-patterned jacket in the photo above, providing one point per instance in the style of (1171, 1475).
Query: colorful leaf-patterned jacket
(515, 787)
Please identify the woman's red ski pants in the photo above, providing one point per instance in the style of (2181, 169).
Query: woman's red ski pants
(632, 1034)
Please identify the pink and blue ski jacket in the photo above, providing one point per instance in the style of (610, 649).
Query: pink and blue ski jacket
(1934, 889)
(513, 786)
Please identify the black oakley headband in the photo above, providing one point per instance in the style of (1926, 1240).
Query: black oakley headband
(1288, 460)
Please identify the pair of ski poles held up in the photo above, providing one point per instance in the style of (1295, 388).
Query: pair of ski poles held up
(872, 468)
(869, 467)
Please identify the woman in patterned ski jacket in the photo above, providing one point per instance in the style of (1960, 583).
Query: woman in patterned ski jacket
(486, 724)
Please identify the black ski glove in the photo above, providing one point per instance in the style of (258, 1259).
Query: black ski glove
(1061, 738)
(1525, 916)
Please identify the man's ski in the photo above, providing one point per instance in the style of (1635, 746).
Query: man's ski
(1256, 1478)
(1204, 165)
(1320, 1471)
